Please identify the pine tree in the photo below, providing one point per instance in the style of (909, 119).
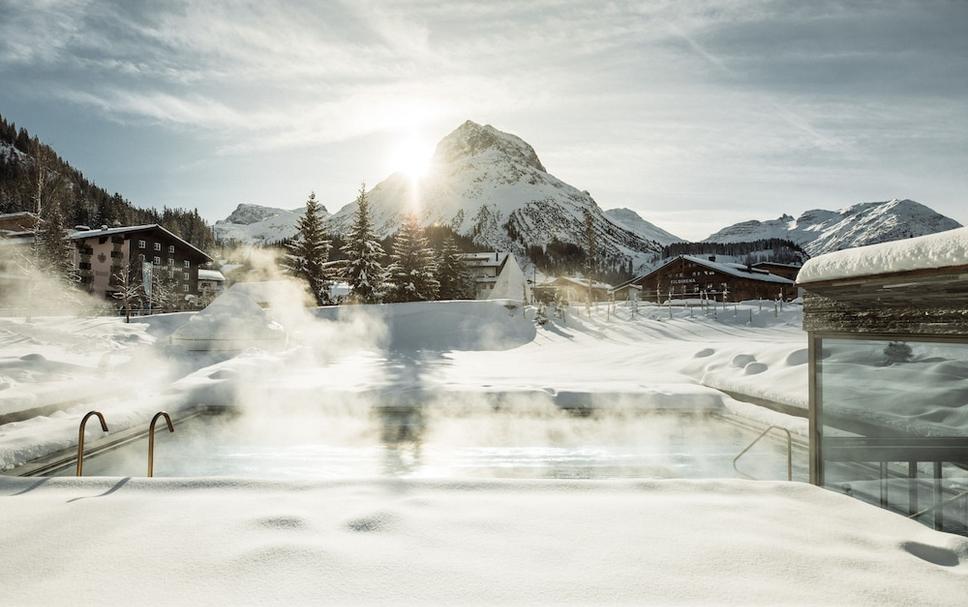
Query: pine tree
(53, 252)
(412, 273)
(451, 271)
(591, 252)
(364, 270)
(309, 252)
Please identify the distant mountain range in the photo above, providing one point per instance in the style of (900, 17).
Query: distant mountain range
(257, 224)
(492, 187)
(819, 231)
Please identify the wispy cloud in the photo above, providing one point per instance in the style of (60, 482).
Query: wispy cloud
(665, 95)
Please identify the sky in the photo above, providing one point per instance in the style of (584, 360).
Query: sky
(694, 114)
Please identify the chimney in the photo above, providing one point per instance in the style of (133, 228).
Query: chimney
(712, 258)
(104, 226)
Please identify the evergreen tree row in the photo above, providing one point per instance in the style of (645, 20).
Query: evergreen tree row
(414, 270)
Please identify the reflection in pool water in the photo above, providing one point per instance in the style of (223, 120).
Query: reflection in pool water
(417, 443)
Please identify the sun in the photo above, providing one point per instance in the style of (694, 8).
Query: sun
(412, 157)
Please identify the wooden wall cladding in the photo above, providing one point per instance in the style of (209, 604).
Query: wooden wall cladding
(915, 304)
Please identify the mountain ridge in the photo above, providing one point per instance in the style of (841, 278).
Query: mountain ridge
(821, 231)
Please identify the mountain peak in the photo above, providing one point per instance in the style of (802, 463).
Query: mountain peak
(472, 140)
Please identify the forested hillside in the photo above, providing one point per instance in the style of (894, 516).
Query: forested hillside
(31, 173)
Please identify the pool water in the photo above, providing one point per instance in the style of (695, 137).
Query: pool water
(412, 443)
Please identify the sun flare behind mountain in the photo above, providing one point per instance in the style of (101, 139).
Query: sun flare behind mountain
(412, 157)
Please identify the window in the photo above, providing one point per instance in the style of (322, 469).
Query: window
(186, 276)
(157, 260)
(141, 257)
(185, 288)
(157, 246)
(891, 423)
(188, 264)
(171, 261)
(141, 244)
(171, 249)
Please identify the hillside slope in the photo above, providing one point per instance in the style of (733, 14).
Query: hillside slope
(629, 219)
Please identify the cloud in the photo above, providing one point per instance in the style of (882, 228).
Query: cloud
(630, 100)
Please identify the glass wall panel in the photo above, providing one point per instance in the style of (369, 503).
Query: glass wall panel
(894, 425)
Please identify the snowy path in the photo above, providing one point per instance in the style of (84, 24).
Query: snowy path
(179, 542)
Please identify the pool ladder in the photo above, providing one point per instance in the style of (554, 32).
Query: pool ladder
(80, 438)
(104, 427)
(789, 438)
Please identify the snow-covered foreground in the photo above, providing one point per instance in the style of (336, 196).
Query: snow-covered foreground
(179, 542)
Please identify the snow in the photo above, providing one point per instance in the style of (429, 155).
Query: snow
(215, 275)
(257, 224)
(819, 231)
(630, 220)
(946, 249)
(738, 270)
(175, 541)
(233, 321)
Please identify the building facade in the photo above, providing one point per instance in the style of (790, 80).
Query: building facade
(691, 277)
(211, 283)
(103, 255)
(496, 275)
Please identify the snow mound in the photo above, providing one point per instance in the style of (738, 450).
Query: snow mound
(446, 325)
(942, 250)
(232, 322)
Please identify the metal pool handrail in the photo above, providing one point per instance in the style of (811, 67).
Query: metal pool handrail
(940, 504)
(80, 438)
(757, 439)
(151, 439)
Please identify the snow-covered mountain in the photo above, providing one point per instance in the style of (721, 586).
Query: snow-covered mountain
(257, 224)
(491, 186)
(632, 221)
(819, 231)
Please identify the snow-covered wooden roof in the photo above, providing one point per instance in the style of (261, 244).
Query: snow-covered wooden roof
(932, 252)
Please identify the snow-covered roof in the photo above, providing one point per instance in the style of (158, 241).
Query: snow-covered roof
(779, 265)
(627, 285)
(934, 251)
(210, 275)
(80, 235)
(485, 259)
(580, 282)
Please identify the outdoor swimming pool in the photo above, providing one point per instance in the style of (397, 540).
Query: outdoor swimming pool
(414, 443)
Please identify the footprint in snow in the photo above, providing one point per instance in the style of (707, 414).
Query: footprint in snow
(755, 368)
(704, 353)
(741, 360)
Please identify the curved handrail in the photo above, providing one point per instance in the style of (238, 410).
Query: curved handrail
(757, 439)
(151, 439)
(80, 438)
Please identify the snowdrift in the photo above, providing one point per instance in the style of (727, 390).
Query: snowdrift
(232, 322)
(446, 325)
